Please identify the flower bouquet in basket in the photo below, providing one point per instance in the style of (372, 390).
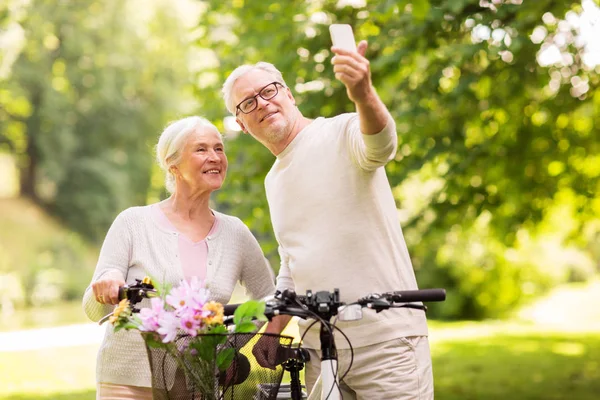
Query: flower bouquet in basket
(184, 332)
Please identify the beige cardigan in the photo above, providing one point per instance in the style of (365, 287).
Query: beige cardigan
(136, 246)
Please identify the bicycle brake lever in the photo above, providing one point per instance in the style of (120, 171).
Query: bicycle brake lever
(379, 305)
(105, 318)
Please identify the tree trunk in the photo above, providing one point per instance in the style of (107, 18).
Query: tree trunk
(29, 167)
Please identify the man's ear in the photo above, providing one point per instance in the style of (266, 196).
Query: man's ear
(241, 124)
(289, 94)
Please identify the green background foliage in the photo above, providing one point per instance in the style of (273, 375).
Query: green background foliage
(497, 154)
(84, 103)
(496, 175)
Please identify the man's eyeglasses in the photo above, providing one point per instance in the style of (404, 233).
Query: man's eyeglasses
(266, 93)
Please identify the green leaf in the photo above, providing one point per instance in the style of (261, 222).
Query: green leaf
(130, 325)
(245, 327)
(205, 348)
(249, 310)
(153, 341)
(218, 329)
(224, 358)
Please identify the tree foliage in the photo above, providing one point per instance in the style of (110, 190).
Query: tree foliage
(497, 171)
(84, 102)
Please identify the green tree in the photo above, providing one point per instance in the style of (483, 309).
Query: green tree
(498, 154)
(85, 89)
(86, 98)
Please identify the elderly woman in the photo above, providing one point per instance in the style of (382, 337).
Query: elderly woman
(178, 238)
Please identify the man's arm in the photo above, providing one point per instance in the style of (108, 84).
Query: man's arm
(265, 350)
(352, 69)
(277, 324)
(284, 281)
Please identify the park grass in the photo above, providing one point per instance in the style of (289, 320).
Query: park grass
(471, 361)
(533, 365)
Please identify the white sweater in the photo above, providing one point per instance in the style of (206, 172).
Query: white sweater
(337, 226)
(136, 246)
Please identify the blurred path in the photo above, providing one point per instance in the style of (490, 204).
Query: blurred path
(570, 307)
(62, 336)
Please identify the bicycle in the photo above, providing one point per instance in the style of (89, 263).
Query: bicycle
(321, 306)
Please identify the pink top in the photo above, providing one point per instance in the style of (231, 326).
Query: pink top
(193, 255)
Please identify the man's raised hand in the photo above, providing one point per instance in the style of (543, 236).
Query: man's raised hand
(352, 69)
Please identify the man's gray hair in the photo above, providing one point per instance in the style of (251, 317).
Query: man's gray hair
(243, 70)
(171, 143)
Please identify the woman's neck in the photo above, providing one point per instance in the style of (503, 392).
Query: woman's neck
(188, 207)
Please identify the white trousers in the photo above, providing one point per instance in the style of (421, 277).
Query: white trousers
(398, 369)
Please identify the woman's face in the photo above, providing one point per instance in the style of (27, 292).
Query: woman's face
(203, 161)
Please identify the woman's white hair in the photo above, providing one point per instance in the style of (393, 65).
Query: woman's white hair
(171, 143)
(242, 70)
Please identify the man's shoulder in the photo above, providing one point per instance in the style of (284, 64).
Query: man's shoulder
(337, 123)
(341, 119)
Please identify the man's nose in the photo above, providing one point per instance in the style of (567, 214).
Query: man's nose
(260, 102)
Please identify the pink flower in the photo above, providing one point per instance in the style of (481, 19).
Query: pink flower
(169, 324)
(150, 316)
(191, 321)
(191, 294)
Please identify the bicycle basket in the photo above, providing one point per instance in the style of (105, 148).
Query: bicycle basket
(178, 377)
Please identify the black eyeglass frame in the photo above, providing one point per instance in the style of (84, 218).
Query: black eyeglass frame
(275, 83)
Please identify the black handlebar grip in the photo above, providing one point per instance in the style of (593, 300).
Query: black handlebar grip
(122, 292)
(425, 295)
(229, 309)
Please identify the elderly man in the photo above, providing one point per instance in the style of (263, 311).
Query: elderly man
(336, 222)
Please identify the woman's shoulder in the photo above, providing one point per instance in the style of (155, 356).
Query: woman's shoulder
(231, 226)
(134, 215)
(227, 221)
(235, 233)
(134, 211)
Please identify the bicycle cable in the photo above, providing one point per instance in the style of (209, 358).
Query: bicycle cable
(349, 346)
(328, 326)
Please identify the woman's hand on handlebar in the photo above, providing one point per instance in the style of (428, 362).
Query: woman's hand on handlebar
(106, 290)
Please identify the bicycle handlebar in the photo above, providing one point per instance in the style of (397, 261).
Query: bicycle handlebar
(328, 304)
(322, 303)
(141, 289)
(411, 296)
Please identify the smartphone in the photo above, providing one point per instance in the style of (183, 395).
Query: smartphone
(342, 36)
